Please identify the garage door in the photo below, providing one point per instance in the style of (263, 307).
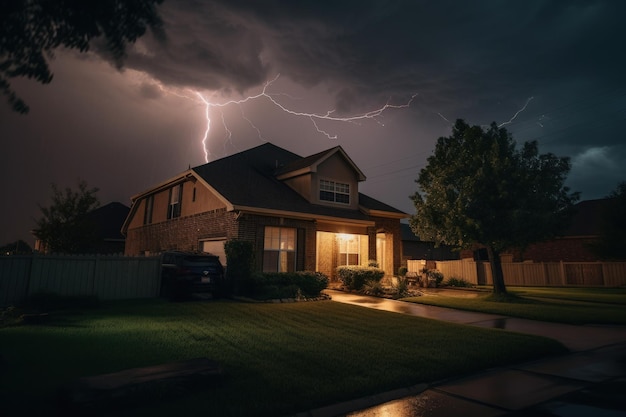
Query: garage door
(216, 247)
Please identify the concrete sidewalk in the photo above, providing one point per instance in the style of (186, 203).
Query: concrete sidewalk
(591, 380)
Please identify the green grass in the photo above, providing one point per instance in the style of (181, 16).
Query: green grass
(562, 305)
(594, 295)
(279, 358)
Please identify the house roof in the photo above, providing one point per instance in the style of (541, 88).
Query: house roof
(406, 233)
(248, 179)
(108, 220)
(588, 217)
(310, 163)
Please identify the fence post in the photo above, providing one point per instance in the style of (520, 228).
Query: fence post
(563, 277)
(95, 274)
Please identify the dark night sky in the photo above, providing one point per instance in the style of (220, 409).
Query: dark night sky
(481, 61)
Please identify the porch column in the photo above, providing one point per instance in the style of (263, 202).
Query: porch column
(371, 237)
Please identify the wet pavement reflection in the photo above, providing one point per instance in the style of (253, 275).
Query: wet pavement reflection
(589, 382)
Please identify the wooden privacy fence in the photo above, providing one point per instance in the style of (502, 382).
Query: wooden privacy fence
(541, 274)
(108, 277)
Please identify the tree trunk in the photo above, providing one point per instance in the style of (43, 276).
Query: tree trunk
(496, 271)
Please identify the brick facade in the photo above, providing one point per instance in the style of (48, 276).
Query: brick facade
(185, 233)
(251, 228)
(182, 233)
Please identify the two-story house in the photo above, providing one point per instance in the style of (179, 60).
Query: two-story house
(300, 213)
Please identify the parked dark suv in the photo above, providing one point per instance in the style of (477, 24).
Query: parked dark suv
(188, 273)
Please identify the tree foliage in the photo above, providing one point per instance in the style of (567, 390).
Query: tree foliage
(64, 226)
(30, 31)
(479, 189)
(612, 242)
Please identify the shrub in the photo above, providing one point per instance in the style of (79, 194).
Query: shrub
(402, 271)
(240, 260)
(311, 283)
(457, 282)
(373, 287)
(372, 263)
(355, 277)
(433, 275)
(268, 285)
(8, 316)
(401, 288)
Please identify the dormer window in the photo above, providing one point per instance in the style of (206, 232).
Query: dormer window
(336, 192)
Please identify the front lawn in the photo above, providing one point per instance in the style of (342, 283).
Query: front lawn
(561, 305)
(279, 358)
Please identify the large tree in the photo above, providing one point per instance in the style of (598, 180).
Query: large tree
(479, 189)
(64, 226)
(30, 31)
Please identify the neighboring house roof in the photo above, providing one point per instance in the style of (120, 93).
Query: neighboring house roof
(256, 169)
(587, 218)
(406, 233)
(109, 219)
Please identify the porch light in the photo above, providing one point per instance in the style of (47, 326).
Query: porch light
(344, 236)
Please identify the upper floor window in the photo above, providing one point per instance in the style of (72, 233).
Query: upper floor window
(173, 209)
(147, 215)
(336, 192)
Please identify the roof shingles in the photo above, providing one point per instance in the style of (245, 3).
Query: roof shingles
(248, 179)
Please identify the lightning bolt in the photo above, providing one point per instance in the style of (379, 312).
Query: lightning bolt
(444, 117)
(517, 113)
(315, 118)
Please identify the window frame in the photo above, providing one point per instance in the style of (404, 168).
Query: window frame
(331, 191)
(351, 248)
(280, 246)
(174, 206)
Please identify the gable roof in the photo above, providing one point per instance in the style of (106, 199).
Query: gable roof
(310, 164)
(252, 182)
(247, 181)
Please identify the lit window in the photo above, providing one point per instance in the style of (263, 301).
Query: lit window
(349, 249)
(279, 249)
(173, 209)
(336, 192)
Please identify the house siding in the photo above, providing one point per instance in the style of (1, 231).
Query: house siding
(335, 169)
(302, 185)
